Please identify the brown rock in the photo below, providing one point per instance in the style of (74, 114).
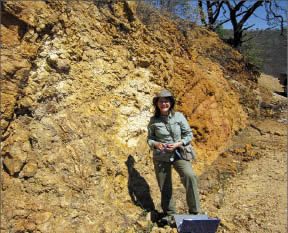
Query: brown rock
(43, 217)
(62, 65)
(29, 169)
(142, 224)
(16, 153)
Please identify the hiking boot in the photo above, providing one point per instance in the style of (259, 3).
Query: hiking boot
(168, 220)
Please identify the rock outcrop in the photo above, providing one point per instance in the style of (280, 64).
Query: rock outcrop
(78, 79)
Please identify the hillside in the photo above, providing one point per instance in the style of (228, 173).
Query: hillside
(267, 48)
(273, 49)
(78, 80)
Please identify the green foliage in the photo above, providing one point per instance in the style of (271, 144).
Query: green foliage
(221, 32)
(267, 49)
(253, 54)
(144, 213)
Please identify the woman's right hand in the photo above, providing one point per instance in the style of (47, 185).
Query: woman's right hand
(160, 145)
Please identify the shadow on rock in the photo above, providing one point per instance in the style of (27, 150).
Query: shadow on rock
(139, 190)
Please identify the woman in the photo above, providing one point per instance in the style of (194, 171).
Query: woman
(168, 130)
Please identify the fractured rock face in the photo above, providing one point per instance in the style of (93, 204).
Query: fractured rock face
(59, 64)
(77, 89)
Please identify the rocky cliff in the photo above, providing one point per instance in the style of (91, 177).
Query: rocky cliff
(78, 79)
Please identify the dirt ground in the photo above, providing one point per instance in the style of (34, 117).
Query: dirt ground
(247, 186)
(256, 199)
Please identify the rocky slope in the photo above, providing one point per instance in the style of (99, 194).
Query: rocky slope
(77, 83)
(251, 190)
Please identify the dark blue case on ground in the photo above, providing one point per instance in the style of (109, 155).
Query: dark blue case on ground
(199, 226)
(196, 223)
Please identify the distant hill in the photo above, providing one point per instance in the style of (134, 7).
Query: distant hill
(267, 49)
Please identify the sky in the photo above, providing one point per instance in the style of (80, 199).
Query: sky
(260, 22)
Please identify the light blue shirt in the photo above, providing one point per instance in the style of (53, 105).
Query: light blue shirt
(161, 128)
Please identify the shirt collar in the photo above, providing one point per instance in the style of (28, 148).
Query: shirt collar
(166, 118)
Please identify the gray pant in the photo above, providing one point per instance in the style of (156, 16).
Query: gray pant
(188, 179)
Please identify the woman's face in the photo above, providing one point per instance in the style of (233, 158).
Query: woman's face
(164, 105)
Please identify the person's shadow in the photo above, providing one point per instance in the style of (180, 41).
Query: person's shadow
(139, 190)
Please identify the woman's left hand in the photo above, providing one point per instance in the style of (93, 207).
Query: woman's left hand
(171, 147)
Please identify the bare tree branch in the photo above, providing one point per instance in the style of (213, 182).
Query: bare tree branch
(275, 16)
(244, 29)
(250, 12)
(202, 15)
(228, 19)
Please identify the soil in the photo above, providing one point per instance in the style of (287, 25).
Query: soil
(246, 187)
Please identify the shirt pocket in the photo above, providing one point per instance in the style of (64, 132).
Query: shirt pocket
(176, 128)
(160, 130)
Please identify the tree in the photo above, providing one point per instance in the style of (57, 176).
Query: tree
(238, 12)
(238, 26)
(213, 9)
(252, 53)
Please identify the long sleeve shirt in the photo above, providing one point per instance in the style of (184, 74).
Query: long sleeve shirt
(168, 129)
